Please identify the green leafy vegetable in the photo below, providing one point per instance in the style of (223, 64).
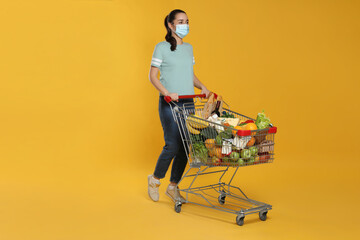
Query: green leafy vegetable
(209, 133)
(226, 134)
(195, 138)
(262, 121)
(200, 151)
(227, 115)
(218, 140)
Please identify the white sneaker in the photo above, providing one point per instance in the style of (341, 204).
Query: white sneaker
(153, 188)
(173, 193)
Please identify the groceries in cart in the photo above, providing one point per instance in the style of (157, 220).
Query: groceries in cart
(216, 136)
(220, 137)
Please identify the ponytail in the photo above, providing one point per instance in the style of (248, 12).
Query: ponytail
(169, 19)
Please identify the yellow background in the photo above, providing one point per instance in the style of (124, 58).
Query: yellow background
(80, 132)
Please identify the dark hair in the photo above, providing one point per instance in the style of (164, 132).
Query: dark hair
(170, 18)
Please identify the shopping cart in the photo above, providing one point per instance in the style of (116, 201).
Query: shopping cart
(211, 144)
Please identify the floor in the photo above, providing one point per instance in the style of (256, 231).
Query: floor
(309, 201)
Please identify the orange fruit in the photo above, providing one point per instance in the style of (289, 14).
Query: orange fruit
(234, 132)
(210, 144)
(251, 142)
(217, 152)
(251, 127)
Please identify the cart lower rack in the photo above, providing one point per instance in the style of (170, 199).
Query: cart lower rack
(213, 146)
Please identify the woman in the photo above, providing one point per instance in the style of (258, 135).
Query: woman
(174, 59)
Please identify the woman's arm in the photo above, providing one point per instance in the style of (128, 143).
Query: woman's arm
(157, 84)
(201, 86)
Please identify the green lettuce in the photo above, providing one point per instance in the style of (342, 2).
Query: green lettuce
(262, 121)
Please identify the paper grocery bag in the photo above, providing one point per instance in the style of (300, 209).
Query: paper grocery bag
(220, 99)
(209, 106)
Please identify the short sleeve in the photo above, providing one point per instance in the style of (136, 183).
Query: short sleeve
(157, 57)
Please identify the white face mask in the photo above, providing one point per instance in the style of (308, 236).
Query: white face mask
(182, 30)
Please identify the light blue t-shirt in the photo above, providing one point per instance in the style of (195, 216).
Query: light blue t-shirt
(176, 67)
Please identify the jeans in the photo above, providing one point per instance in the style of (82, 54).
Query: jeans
(174, 147)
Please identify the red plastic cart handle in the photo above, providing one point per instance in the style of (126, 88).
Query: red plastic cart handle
(248, 132)
(168, 98)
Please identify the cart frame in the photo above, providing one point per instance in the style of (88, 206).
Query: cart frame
(236, 200)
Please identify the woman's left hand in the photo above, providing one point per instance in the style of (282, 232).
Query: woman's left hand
(205, 91)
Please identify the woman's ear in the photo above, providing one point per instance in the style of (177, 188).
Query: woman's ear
(171, 26)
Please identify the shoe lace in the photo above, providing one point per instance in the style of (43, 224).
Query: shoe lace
(154, 182)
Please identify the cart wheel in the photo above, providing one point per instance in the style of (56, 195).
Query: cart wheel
(240, 220)
(221, 199)
(262, 215)
(222, 196)
(178, 207)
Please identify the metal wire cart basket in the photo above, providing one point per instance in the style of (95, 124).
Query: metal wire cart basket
(213, 147)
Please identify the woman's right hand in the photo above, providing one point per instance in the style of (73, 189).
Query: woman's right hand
(174, 96)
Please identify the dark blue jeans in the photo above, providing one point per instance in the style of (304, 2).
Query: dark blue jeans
(174, 147)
